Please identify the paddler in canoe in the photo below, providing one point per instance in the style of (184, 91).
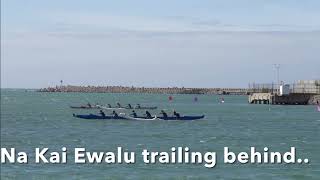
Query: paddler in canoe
(148, 115)
(176, 114)
(164, 114)
(119, 105)
(115, 114)
(134, 114)
(129, 106)
(89, 105)
(102, 113)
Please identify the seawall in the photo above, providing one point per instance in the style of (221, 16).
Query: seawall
(124, 89)
(291, 99)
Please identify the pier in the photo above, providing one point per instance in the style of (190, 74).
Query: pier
(300, 93)
(291, 99)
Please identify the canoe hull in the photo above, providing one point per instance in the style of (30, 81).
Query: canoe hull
(84, 107)
(150, 108)
(171, 118)
(127, 108)
(114, 108)
(120, 117)
(142, 118)
(92, 116)
(182, 118)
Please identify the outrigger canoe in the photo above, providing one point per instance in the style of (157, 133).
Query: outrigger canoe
(93, 116)
(133, 108)
(182, 118)
(145, 107)
(111, 108)
(123, 117)
(169, 118)
(85, 107)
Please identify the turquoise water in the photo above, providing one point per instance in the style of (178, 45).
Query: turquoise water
(30, 120)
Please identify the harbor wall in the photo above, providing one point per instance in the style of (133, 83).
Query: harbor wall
(291, 99)
(300, 93)
(125, 89)
(314, 100)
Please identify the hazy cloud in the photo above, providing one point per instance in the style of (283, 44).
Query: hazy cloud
(196, 50)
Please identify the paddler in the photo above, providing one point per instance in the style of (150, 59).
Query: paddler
(102, 113)
(148, 115)
(134, 114)
(119, 105)
(164, 114)
(89, 105)
(138, 106)
(115, 114)
(176, 114)
(109, 106)
(129, 106)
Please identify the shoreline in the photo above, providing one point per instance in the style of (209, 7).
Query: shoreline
(150, 90)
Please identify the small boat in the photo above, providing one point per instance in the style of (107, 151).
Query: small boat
(93, 116)
(182, 118)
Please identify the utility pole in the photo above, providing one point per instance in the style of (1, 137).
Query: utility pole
(277, 66)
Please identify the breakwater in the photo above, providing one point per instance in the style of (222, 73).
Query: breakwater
(156, 90)
(290, 99)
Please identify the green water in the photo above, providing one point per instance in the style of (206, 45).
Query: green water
(30, 120)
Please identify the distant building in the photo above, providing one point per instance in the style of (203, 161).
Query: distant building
(307, 86)
(301, 92)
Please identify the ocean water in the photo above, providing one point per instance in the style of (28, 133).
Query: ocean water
(31, 119)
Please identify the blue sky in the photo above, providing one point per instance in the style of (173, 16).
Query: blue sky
(206, 43)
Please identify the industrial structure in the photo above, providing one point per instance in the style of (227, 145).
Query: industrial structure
(300, 93)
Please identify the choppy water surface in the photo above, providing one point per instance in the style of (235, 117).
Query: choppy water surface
(31, 119)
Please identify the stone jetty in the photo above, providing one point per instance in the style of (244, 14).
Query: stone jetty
(156, 90)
